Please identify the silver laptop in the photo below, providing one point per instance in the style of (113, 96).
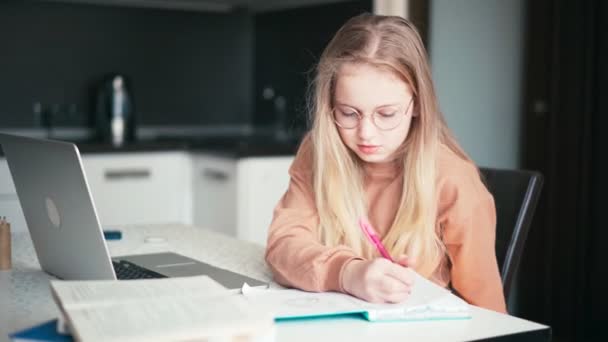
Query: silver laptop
(64, 225)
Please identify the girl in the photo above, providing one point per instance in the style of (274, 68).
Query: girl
(379, 149)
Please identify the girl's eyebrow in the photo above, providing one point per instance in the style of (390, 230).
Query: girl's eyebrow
(376, 108)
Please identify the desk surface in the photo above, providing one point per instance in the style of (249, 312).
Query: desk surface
(25, 298)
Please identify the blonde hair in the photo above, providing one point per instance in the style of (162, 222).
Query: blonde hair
(392, 43)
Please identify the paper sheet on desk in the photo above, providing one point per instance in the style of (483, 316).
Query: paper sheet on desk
(186, 308)
(427, 301)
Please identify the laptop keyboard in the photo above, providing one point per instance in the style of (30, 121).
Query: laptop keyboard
(127, 270)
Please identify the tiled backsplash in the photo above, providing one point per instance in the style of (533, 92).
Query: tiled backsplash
(188, 70)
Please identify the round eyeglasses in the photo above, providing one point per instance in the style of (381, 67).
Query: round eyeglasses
(384, 119)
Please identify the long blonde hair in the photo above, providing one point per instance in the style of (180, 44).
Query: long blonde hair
(394, 43)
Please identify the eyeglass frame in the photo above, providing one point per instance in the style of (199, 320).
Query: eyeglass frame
(360, 117)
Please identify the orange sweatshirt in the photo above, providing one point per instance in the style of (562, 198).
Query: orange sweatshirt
(466, 214)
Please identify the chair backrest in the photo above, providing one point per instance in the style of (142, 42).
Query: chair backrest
(516, 194)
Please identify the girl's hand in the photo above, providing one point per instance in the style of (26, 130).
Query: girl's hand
(379, 280)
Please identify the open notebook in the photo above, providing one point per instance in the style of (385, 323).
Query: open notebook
(428, 301)
(177, 309)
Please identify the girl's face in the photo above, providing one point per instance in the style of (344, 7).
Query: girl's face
(372, 111)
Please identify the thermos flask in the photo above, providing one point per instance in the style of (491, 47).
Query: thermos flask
(115, 117)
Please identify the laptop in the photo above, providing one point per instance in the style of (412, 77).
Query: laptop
(64, 225)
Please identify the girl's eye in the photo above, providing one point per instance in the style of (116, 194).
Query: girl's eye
(347, 113)
(387, 114)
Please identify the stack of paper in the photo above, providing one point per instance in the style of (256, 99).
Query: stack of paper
(190, 308)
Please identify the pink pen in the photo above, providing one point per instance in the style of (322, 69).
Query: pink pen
(371, 235)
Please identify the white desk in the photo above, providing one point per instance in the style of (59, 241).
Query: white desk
(25, 298)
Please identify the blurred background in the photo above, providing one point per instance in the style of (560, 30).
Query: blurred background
(523, 84)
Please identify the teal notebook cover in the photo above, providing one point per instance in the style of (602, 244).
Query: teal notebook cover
(428, 301)
(46, 331)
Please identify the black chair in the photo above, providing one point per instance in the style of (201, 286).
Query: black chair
(515, 194)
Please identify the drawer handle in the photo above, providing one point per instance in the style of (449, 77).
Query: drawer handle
(215, 175)
(8, 197)
(127, 174)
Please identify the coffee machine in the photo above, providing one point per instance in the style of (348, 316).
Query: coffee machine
(114, 113)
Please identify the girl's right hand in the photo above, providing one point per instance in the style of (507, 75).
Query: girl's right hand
(378, 280)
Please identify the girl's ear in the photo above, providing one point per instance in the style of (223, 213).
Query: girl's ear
(415, 111)
(414, 107)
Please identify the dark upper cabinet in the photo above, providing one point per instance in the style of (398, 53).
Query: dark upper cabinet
(288, 44)
(202, 63)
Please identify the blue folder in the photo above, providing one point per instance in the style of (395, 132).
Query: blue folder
(46, 331)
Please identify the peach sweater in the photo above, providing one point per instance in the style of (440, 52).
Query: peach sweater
(466, 215)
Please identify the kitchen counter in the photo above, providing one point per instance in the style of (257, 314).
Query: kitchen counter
(230, 146)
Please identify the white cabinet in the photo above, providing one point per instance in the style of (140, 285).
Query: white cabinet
(237, 196)
(214, 197)
(9, 202)
(262, 181)
(139, 188)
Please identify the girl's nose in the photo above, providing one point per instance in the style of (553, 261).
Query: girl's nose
(367, 127)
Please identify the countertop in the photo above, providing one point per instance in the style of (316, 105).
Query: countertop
(227, 146)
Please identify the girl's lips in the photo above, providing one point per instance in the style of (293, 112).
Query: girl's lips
(368, 149)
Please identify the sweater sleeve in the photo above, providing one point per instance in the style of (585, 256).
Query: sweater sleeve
(293, 252)
(468, 220)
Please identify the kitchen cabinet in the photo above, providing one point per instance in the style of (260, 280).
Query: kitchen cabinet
(237, 195)
(215, 196)
(140, 188)
(9, 202)
(228, 194)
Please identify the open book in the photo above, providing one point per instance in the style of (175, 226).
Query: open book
(428, 301)
(189, 308)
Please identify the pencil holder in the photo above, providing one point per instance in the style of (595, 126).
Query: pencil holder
(5, 244)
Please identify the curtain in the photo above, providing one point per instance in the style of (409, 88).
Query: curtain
(565, 107)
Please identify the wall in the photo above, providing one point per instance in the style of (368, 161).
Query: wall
(186, 68)
(476, 49)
